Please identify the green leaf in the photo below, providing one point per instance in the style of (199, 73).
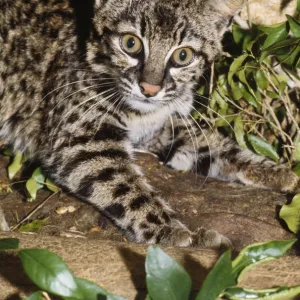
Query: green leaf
(294, 25)
(256, 253)
(296, 154)
(276, 33)
(51, 186)
(262, 147)
(297, 169)
(282, 44)
(15, 166)
(272, 95)
(235, 66)
(35, 183)
(291, 214)
(9, 244)
(38, 175)
(92, 291)
(239, 132)
(238, 33)
(36, 296)
(219, 278)
(298, 5)
(261, 79)
(32, 187)
(49, 273)
(282, 293)
(8, 152)
(282, 87)
(166, 279)
(248, 96)
(269, 29)
(243, 79)
(34, 226)
(236, 90)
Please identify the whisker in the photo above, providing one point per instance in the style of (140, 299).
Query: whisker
(106, 114)
(74, 93)
(73, 109)
(185, 124)
(173, 138)
(208, 145)
(209, 108)
(97, 104)
(74, 82)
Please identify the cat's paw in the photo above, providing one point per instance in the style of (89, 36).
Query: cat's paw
(202, 238)
(208, 238)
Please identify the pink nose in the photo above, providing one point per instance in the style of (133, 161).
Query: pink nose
(149, 89)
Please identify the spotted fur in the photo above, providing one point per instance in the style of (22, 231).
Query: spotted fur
(70, 96)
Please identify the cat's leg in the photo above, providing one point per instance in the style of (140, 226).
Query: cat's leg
(185, 146)
(99, 169)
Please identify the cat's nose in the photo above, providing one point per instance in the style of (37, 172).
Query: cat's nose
(149, 90)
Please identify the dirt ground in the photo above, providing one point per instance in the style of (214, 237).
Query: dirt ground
(244, 214)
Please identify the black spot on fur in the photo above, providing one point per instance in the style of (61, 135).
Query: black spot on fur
(152, 218)
(73, 141)
(87, 190)
(204, 149)
(159, 236)
(204, 164)
(114, 153)
(110, 132)
(168, 153)
(100, 58)
(80, 157)
(144, 226)
(115, 210)
(121, 189)
(148, 235)
(106, 174)
(166, 217)
(231, 154)
(139, 202)
(130, 229)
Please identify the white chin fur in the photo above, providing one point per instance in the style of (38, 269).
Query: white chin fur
(143, 107)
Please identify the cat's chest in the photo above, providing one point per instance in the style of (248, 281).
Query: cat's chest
(141, 129)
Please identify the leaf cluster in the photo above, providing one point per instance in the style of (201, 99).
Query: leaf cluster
(166, 279)
(253, 92)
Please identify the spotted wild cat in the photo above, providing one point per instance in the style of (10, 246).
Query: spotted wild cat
(79, 97)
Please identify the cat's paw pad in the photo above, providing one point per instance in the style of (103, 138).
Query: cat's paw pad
(208, 238)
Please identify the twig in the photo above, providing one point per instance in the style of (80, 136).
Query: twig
(34, 211)
(46, 296)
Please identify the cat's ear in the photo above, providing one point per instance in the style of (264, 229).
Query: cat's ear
(228, 8)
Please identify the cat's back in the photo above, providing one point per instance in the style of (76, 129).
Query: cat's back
(34, 35)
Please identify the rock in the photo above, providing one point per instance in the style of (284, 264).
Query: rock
(268, 12)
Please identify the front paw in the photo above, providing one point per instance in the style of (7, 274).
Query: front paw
(202, 238)
(208, 238)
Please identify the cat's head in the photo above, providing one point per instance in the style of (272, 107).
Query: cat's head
(156, 50)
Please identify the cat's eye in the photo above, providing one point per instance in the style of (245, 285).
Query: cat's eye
(183, 57)
(131, 44)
